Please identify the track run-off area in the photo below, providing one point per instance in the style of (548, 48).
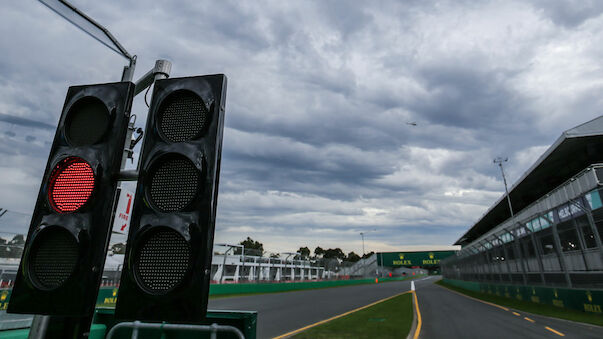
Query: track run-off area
(444, 313)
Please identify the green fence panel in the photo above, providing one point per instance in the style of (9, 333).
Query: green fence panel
(586, 300)
(97, 331)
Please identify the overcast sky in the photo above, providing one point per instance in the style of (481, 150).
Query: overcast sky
(316, 145)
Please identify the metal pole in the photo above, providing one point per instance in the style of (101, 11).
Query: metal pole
(520, 253)
(161, 70)
(363, 259)
(499, 161)
(538, 252)
(558, 250)
(39, 327)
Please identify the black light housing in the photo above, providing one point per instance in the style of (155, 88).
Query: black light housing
(64, 254)
(168, 255)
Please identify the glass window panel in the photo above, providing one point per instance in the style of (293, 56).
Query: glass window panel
(569, 240)
(510, 253)
(594, 200)
(528, 247)
(589, 237)
(547, 242)
(536, 224)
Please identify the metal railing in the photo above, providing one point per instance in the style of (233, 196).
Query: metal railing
(213, 329)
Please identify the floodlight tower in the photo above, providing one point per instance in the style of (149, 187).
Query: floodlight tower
(499, 161)
(363, 253)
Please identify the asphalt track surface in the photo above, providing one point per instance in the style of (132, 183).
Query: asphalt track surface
(279, 313)
(445, 314)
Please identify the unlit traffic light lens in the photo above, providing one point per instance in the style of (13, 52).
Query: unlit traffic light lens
(71, 184)
(173, 183)
(53, 257)
(162, 260)
(87, 122)
(182, 116)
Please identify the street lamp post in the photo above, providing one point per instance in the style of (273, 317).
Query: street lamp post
(499, 161)
(362, 236)
(363, 253)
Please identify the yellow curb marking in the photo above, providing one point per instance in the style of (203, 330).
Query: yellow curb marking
(528, 319)
(554, 331)
(288, 334)
(419, 322)
(517, 314)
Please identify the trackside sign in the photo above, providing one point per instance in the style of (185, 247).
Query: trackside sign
(121, 222)
(427, 258)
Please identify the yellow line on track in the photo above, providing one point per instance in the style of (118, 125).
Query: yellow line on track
(419, 321)
(555, 331)
(504, 308)
(288, 334)
(481, 301)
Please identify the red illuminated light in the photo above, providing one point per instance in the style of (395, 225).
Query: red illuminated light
(71, 184)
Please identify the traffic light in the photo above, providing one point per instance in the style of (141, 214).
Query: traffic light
(168, 256)
(63, 257)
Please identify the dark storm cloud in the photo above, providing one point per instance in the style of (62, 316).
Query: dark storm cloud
(11, 119)
(570, 13)
(317, 147)
(469, 98)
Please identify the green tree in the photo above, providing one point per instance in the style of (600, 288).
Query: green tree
(251, 244)
(318, 251)
(352, 257)
(334, 253)
(304, 252)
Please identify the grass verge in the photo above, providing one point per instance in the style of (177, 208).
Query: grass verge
(389, 319)
(527, 306)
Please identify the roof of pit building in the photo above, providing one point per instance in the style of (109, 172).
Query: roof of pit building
(575, 150)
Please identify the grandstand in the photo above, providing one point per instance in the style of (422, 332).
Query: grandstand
(554, 238)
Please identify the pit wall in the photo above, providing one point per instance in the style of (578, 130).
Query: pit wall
(576, 299)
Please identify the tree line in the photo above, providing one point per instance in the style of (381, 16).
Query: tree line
(306, 254)
(253, 247)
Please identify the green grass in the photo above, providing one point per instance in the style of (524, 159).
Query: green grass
(530, 307)
(389, 319)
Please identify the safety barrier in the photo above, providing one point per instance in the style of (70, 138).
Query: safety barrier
(587, 300)
(225, 289)
(107, 296)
